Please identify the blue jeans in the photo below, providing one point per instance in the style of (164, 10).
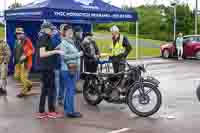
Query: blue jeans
(59, 85)
(69, 85)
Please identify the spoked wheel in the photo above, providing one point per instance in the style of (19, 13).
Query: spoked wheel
(144, 102)
(90, 93)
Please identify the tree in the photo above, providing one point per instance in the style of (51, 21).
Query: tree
(155, 25)
(15, 5)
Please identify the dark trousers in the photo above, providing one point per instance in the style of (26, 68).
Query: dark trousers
(48, 90)
(118, 64)
(91, 66)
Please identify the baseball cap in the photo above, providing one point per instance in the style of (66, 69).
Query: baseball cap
(47, 25)
(19, 30)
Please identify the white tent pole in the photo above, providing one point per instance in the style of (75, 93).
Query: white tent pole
(136, 40)
(5, 38)
(92, 26)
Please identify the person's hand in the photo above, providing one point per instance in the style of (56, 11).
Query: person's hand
(57, 48)
(81, 53)
(22, 58)
(96, 56)
(60, 52)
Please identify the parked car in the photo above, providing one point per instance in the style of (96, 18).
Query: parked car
(191, 47)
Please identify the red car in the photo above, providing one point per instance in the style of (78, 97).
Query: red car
(191, 47)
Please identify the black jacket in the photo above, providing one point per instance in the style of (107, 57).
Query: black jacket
(85, 45)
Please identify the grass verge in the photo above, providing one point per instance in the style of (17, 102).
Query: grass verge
(105, 45)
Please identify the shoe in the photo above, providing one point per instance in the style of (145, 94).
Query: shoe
(60, 102)
(78, 91)
(74, 115)
(3, 92)
(41, 115)
(54, 115)
(20, 95)
(29, 88)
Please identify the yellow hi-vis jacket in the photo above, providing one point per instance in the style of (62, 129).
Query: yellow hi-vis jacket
(118, 48)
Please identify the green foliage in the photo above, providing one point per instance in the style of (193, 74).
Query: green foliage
(154, 25)
(1, 32)
(15, 5)
(124, 26)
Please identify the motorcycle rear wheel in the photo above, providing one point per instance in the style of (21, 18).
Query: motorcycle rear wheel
(144, 100)
(89, 91)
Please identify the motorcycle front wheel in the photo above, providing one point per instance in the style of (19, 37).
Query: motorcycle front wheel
(146, 101)
(90, 93)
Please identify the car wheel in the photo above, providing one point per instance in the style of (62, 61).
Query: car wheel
(197, 55)
(166, 53)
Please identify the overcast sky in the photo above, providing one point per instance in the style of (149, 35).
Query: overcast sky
(114, 2)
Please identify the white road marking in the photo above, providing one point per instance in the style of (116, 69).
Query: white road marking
(120, 130)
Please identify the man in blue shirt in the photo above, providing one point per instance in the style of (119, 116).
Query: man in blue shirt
(56, 40)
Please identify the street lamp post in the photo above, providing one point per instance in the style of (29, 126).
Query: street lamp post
(196, 18)
(174, 6)
(5, 26)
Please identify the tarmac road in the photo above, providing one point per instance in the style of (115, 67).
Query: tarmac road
(180, 112)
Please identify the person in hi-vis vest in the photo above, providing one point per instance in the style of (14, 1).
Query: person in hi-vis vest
(120, 49)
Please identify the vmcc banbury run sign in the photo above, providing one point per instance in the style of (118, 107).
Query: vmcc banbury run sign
(86, 4)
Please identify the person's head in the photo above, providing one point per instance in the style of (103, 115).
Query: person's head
(180, 34)
(55, 30)
(19, 33)
(88, 35)
(78, 32)
(67, 31)
(47, 28)
(115, 32)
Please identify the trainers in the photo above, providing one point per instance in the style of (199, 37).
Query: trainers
(55, 115)
(3, 92)
(75, 115)
(41, 115)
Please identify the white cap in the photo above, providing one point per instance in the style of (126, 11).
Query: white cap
(62, 27)
(114, 29)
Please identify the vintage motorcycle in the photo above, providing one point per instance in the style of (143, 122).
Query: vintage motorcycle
(131, 87)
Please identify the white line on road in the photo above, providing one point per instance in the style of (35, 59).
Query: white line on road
(120, 130)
